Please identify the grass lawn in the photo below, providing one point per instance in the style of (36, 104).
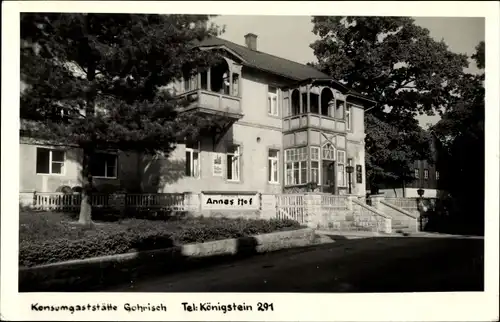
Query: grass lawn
(47, 237)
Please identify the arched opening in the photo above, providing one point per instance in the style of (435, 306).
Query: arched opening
(295, 102)
(327, 102)
(314, 102)
(220, 78)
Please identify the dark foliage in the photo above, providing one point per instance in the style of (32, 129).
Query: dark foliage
(406, 71)
(47, 238)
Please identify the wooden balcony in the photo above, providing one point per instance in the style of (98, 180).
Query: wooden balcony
(213, 103)
(310, 120)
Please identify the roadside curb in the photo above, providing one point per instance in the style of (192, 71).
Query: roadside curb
(361, 235)
(92, 273)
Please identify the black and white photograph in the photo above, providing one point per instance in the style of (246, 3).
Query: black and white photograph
(197, 152)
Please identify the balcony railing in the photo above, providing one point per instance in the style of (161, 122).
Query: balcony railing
(213, 103)
(313, 120)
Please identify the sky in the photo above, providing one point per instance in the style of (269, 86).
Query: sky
(290, 36)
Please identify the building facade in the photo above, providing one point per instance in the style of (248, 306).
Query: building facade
(281, 125)
(425, 176)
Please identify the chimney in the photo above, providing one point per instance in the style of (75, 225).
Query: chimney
(251, 41)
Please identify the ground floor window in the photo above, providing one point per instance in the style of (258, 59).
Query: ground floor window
(104, 165)
(192, 165)
(296, 173)
(273, 166)
(50, 161)
(233, 163)
(296, 166)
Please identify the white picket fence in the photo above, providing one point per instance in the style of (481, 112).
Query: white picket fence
(70, 202)
(298, 206)
(289, 206)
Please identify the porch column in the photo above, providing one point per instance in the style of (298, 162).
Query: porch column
(198, 80)
(308, 97)
(209, 84)
(230, 83)
(239, 84)
(301, 107)
(335, 174)
(290, 108)
(319, 101)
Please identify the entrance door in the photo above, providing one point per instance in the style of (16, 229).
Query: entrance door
(328, 177)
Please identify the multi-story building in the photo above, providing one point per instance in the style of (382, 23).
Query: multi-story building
(425, 176)
(281, 125)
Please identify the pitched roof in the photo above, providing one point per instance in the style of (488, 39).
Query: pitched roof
(267, 62)
(272, 64)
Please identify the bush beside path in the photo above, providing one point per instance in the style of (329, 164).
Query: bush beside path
(50, 237)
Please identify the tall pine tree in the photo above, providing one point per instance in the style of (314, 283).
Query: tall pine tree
(94, 80)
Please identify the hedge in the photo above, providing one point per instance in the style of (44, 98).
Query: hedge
(50, 237)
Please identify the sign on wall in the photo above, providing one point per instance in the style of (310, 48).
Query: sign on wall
(230, 202)
(359, 174)
(217, 165)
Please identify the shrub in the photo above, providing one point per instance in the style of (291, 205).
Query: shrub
(51, 237)
(64, 189)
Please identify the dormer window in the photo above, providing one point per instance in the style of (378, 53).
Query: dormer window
(272, 101)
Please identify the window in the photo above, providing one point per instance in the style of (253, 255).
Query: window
(192, 160)
(348, 117)
(272, 101)
(328, 152)
(49, 161)
(273, 166)
(233, 163)
(315, 176)
(437, 175)
(296, 166)
(426, 174)
(339, 110)
(315, 153)
(341, 174)
(104, 165)
(417, 173)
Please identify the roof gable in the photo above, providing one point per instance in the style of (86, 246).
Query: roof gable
(266, 62)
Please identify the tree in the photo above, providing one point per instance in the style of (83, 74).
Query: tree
(95, 80)
(401, 67)
(461, 134)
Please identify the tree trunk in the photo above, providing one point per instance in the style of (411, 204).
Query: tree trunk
(86, 205)
(85, 211)
(88, 150)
